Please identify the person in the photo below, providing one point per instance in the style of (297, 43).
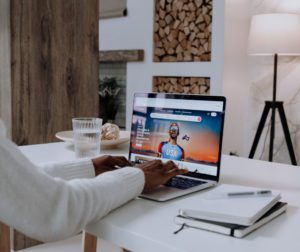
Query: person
(170, 149)
(58, 200)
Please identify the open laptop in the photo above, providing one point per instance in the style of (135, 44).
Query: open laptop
(186, 129)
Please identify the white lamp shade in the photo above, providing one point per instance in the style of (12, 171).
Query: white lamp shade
(274, 33)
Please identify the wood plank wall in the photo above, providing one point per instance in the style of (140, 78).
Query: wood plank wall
(54, 71)
(5, 94)
(54, 66)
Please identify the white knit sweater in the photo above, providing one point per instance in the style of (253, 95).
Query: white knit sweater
(52, 203)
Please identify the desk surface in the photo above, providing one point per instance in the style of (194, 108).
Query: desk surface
(143, 225)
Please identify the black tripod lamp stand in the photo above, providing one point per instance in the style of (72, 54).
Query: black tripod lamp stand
(274, 34)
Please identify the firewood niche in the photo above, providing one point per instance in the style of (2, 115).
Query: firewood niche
(182, 30)
(187, 85)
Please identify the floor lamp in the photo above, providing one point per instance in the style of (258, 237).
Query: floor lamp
(274, 34)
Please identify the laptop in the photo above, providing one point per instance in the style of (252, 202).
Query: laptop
(186, 129)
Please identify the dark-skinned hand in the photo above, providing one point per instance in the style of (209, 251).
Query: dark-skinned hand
(109, 163)
(158, 173)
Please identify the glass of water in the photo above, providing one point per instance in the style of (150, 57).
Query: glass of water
(87, 136)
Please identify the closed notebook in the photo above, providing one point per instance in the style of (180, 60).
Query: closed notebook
(234, 230)
(214, 205)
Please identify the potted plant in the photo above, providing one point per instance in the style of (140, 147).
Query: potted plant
(109, 94)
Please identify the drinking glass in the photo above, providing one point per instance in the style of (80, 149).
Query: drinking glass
(87, 136)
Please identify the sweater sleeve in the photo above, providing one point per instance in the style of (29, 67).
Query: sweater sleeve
(82, 168)
(49, 209)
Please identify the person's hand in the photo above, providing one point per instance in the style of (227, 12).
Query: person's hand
(109, 163)
(158, 173)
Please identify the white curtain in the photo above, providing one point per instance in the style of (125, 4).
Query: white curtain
(112, 8)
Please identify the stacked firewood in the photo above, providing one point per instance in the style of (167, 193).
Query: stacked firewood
(187, 85)
(182, 30)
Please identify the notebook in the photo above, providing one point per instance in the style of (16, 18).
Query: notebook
(234, 230)
(245, 210)
(186, 129)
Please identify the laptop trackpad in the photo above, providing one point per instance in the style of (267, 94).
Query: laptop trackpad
(162, 191)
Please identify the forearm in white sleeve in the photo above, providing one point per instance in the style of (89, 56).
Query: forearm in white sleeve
(82, 168)
(47, 208)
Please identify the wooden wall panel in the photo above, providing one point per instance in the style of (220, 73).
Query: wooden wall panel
(54, 70)
(54, 66)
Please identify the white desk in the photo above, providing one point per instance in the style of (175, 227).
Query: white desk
(144, 226)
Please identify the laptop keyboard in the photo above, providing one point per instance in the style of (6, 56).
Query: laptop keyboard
(183, 183)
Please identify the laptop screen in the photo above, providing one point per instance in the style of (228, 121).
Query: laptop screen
(184, 128)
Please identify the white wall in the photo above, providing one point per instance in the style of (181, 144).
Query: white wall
(236, 83)
(136, 32)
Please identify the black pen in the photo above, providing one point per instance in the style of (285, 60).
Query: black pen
(250, 193)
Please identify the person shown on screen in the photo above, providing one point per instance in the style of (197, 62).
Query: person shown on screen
(170, 149)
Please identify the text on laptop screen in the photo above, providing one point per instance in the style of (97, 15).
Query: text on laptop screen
(185, 131)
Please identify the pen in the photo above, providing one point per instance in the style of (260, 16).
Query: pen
(260, 192)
